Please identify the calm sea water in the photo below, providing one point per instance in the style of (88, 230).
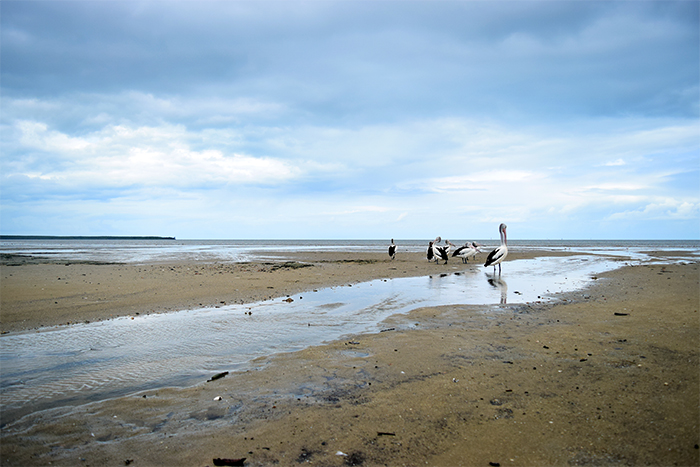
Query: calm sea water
(143, 251)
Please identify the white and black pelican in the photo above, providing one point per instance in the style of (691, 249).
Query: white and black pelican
(465, 251)
(392, 249)
(477, 249)
(430, 254)
(442, 252)
(500, 253)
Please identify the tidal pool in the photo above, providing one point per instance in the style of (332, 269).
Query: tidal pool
(76, 364)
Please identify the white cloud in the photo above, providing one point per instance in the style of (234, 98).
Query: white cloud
(615, 163)
(352, 209)
(616, 186)
(123, 156)
(451, 176)
(663, 209)
(482, 180)
(37, 135)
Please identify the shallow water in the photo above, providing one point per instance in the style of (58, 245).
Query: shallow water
(88, 362)
(147, 251)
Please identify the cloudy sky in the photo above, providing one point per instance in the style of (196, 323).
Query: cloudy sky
(351, 119)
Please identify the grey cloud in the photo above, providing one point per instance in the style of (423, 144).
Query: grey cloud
(349, 61)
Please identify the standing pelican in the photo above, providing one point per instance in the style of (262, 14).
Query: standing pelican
(430, 254)
(500, 253)
(442, 252)
(465, 251)
(392, 249)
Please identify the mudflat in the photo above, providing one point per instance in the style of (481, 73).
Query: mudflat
(604, 376)
(37, 292)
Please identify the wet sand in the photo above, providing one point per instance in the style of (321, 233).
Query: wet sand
(36, 292)
(604, 376)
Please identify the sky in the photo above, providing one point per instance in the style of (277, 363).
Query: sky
(358, 119)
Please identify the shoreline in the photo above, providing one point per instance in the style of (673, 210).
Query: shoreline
(39, 292)
(606, 380)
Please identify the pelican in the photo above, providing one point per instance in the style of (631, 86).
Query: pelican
(465, 251)
(392, 249)
(442, 252)
(431, 249)
(500, 253)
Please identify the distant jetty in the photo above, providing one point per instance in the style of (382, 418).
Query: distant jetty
(97, 237)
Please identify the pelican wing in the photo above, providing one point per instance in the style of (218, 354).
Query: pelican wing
(442, 251)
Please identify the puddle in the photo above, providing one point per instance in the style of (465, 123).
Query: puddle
(90, 362)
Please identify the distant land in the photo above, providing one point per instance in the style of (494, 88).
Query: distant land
(71, 237)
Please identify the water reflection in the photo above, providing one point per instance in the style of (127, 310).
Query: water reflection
(497, 282)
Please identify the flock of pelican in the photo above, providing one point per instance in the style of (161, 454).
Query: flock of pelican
(438, 252)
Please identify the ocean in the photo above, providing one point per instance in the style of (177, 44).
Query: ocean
(134, 250)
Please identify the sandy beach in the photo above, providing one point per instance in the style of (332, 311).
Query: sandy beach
(605, 376)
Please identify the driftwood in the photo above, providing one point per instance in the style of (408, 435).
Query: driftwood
(218, 376)
(219, 461)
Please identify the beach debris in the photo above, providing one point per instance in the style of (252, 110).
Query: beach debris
(341, 453)
(385, 433)
(217, 398)
(217, 376)
(389, 329)
(455, 380)
(288, 300)
(222, 461)
(495, 464)
(128, 461)
(621, 314)
(353, 343)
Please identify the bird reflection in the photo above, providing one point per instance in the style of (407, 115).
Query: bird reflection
(496, 281)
